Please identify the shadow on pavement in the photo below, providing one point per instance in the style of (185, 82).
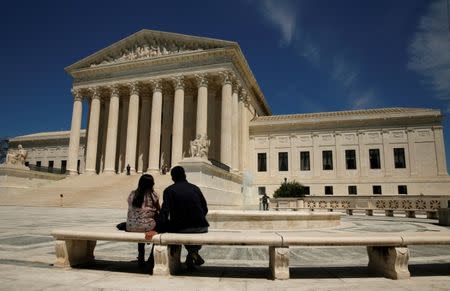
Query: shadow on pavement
(416, 270)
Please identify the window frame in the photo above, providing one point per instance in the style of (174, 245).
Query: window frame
(378, 159)
(329, 187)
(401, 187)
(281, 161)
(352, 187)
(308, 156)
(376, 187)
(353, 158)
(327, 159)
(399, 158)
(263, 162)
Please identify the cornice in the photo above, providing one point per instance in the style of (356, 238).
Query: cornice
(230, 53)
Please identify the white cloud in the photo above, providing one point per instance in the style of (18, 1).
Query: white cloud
(429, 51)
(362, 100)
(309, 51)
(282, 15)
(344, 72)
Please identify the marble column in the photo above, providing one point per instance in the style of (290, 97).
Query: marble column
(202, 105)
(122, 139)
(155, 128)
(74, 143)
(411, 150)
(440, 151)
(235, 128)
(178, 118)
(225, 120)
(388, 154)
(132, 128)
(144, 135)
(111, 138)
(243, 102)
(92, 142)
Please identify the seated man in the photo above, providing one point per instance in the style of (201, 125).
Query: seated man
(183, 210)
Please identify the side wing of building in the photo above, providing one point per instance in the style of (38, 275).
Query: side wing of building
(362, 152)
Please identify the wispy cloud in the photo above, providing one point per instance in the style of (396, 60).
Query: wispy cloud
(281, 14)
(429, 51)
(362, 100)
(284, 15)
(346, 75)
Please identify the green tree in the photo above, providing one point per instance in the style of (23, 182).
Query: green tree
(289, 189)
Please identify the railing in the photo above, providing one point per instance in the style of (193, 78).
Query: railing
(47, 169)
(381, 202)
(220, 165)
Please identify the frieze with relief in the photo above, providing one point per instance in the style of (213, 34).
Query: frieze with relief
(146, 51)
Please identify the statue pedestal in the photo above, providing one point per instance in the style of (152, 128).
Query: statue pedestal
(15, 167)
(222, 189)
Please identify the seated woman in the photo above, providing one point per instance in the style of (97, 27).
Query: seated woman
(143, 206)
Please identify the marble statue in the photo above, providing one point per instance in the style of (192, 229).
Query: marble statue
(17, 157)
(200, 147)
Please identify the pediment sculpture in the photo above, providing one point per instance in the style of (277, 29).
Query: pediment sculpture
(200, 147)
(146, 52)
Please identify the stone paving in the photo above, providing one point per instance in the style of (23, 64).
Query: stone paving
(27, 254)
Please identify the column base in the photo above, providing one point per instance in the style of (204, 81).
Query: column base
(109, 172)
(72, 172)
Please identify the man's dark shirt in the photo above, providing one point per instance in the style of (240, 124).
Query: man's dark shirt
(184, 206)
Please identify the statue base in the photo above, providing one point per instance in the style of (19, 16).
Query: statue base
(222, 189)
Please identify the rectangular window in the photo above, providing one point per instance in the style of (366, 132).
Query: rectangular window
(374, 157)
(304, 161)
(63, 166)
(261, 190)
(399, 158)
(262, 162)
(376, 189)
(327, 160)
(352, 190)
(38, 163)
(283, 161)
(328, 190)
(350, 159)
(306, 190)
(50, 164)
(402, 189)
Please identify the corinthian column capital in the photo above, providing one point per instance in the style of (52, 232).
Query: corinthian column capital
(77, 96)
(178, 82)
(114, 89)
(202, 80)
(243, 96)
(226, 77)
(156, 85)
(134, 88)
(95, 92)
(236, 87)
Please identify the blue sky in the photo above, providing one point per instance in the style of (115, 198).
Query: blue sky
(308, 56)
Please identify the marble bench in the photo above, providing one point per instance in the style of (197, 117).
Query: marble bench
(388, 252)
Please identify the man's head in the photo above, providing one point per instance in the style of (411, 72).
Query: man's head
(178, 174)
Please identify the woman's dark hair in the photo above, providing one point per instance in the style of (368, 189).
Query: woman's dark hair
(145, 185)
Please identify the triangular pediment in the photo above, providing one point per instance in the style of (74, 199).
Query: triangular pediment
(149, 44)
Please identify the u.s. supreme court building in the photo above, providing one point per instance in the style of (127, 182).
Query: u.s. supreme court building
(149, 95)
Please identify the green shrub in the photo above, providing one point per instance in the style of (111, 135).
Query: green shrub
(289, 189)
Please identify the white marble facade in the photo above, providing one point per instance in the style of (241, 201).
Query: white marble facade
(150, 94)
